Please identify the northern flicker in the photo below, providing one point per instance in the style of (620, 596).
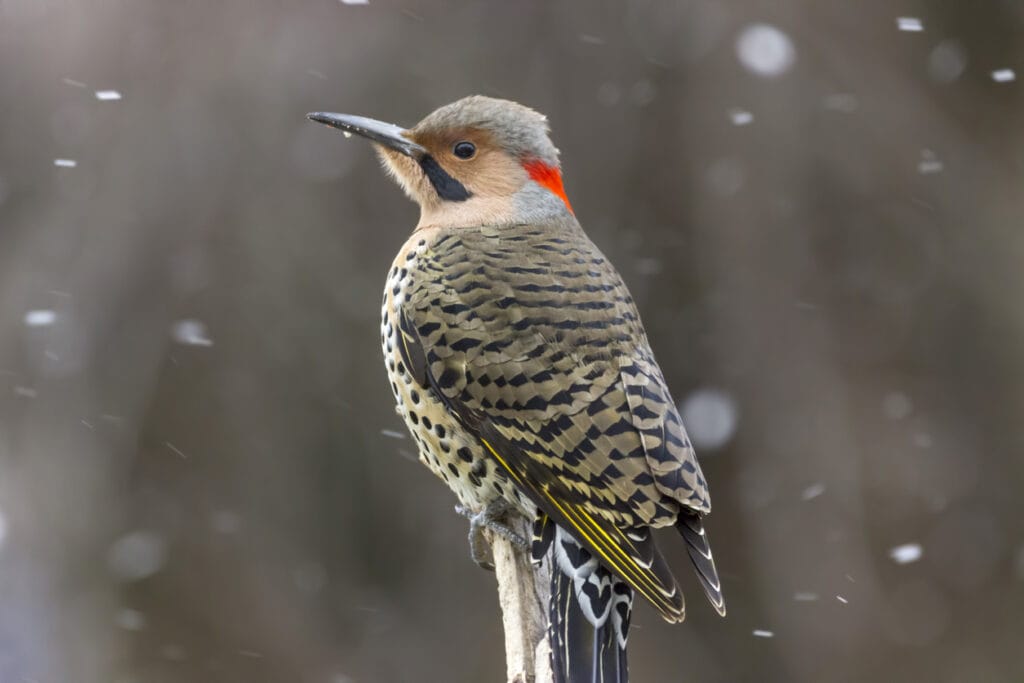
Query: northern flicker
(518, 360)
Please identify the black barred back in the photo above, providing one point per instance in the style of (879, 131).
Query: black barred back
(533, 327)
(520, 364)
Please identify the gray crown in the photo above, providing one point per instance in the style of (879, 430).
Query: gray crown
(523, 131)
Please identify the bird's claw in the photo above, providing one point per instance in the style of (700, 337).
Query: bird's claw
(488, 518)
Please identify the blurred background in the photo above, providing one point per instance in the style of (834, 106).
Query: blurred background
(817, 205)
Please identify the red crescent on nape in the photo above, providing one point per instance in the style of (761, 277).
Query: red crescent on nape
(548, 177)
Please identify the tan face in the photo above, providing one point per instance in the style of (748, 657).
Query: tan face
(462, 166)
(479, 161)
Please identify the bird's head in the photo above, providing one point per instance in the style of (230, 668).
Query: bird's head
(476, 161)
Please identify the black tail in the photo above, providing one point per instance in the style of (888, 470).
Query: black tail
(697, 546)
(589, 616)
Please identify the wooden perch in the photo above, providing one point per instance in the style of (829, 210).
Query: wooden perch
(523, 591)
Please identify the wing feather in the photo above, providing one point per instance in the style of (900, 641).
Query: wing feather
(533, 342)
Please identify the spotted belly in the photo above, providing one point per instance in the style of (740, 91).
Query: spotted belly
(447, 449)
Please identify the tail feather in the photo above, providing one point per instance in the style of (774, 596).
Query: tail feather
(699, 548)
(589, 619)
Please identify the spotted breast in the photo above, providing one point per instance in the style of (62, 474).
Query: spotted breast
(445, 447)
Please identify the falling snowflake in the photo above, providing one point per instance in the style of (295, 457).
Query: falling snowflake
(740, 117)
(130, 620)
(765, 50)
(813, 491)
(929, 163)
(909, 24)
(137, 555)
(710, 417)
(191, 333)
(946, 62)
(40, 318)
(906, 553)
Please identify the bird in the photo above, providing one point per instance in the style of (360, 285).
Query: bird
(519, 363)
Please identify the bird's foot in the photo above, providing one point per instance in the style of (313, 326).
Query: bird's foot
(489, 518)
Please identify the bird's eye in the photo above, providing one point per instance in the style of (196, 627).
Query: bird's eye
(464, 150)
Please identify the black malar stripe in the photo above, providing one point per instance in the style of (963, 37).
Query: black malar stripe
(447, 188)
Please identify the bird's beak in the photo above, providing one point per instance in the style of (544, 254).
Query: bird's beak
(386, 134)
